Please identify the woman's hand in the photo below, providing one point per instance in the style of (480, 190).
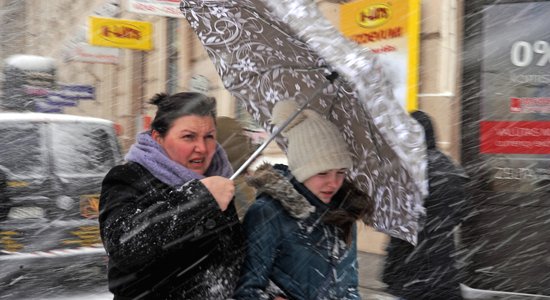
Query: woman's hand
(221, 188)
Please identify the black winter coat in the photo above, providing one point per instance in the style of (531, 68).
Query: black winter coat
(428, 270)
(164, 242)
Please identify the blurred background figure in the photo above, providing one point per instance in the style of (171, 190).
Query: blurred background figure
(428, 271)
(239, 147)
(4, 198)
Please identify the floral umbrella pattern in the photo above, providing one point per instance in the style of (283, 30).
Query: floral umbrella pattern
(261, 60)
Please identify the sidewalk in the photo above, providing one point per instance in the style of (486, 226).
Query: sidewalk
(370, 270)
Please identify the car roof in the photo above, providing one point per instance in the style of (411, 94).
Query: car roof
(47, 117)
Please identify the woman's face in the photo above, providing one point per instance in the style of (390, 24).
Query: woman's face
(191, 142)
(325, 184)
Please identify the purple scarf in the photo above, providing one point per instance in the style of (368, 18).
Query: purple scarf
(148, 153)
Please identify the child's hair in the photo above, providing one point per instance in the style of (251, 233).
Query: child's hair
(172, 107)
(355, 205)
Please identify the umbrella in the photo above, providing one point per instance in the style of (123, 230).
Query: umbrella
(262, 59)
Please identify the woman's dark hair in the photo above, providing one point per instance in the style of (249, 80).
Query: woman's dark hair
(355, 205)
(172, 107)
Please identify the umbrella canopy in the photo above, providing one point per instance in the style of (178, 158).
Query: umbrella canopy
(262, 59)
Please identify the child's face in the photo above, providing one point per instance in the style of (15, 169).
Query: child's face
(325, 184)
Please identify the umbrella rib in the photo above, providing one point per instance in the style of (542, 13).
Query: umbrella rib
(301, 69)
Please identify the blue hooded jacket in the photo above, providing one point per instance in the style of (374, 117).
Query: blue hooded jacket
(290, 247)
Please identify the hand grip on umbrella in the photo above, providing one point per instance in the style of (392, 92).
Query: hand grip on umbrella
(331, 77)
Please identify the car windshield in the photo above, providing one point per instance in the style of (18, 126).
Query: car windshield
(22, 152)
(82, 148)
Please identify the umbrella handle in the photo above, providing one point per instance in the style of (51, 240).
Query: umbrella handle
(331, 77)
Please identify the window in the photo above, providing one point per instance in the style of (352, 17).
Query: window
(22, 152)
(81, 148)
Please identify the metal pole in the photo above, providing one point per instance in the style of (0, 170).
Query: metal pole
(172, 56)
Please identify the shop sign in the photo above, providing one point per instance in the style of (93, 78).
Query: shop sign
(120, 33)
(515, 137)
(77, 48)
(392, 30)
(84, 52)
(166, 8)
(77, 91)
(58, 99)
(514, 127)
(42, 105)
(530, 105)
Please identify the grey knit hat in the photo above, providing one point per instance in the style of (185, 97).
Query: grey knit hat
(314, 144)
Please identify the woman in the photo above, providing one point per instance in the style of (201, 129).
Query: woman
(301, 231)
(166, 216)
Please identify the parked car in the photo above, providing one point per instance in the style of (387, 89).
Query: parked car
(49, 233)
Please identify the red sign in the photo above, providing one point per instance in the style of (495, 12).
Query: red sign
(515, 137)
(530, 105)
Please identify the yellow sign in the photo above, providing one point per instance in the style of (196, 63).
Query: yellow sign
(390, 28)
(9, 241)
(119, 33)
(373, 15)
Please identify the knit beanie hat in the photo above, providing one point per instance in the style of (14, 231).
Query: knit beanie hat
(314, 144)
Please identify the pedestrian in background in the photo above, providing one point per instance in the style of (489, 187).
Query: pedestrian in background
(301, 231)
(5, 203)
(239, 147)
(166, 216)
(428, 271)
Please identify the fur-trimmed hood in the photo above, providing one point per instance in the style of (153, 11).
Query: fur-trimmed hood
(348, 205)
(268, 180)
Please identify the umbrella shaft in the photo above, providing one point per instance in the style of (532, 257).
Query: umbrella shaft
(266, 142)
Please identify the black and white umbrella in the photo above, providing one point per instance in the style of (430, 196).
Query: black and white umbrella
(267, 51)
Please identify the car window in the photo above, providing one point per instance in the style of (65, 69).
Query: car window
(22, 152)
(82, 148)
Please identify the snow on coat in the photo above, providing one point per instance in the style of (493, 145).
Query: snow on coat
(428, 271)
(165, 242)
(289, 245)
